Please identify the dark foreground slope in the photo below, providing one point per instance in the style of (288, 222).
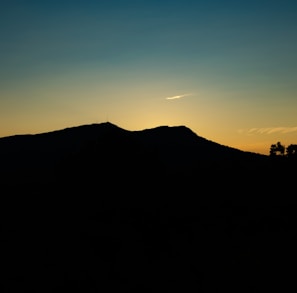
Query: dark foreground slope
(101, 209)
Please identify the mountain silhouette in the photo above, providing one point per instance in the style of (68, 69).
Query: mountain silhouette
(170, 157)
(176, 146)
(100, 208)
(162, 160)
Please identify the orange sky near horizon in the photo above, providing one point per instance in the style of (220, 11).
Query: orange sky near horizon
(227, 71)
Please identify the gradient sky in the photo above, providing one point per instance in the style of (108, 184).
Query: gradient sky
(225, 69)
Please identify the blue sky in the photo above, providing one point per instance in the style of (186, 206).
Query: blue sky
(231, 66)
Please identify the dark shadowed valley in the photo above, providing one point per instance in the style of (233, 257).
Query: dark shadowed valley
(97, 208)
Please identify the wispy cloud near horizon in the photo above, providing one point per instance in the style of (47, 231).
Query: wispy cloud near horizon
(269, 130)
(177, 97)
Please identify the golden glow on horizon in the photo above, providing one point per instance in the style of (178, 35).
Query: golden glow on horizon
(214, 114)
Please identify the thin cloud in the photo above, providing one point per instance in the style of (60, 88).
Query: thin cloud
(177, 97)
(270, 130)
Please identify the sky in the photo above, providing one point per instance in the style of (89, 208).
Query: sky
(225, 69)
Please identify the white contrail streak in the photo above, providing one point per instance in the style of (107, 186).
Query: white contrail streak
(177, 97)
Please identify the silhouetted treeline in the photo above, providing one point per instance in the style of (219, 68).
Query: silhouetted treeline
(279, 149)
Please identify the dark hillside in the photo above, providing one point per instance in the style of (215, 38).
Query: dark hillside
(45, 149)
(97, 208)
(176, 148)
